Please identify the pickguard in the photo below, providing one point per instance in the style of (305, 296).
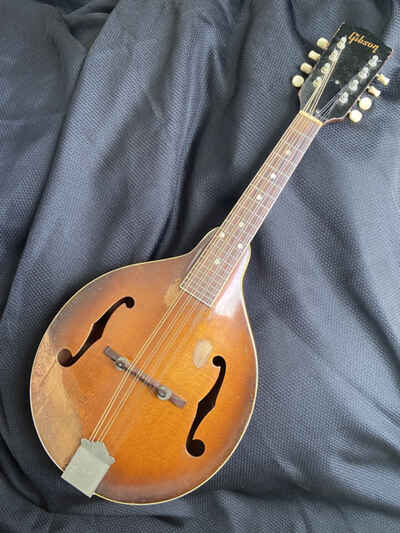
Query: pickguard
(65, 357)
(196, 447)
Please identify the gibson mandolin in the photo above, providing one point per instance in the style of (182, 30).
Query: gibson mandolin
(145, 381)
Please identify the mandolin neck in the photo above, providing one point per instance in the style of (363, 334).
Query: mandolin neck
(214, 266)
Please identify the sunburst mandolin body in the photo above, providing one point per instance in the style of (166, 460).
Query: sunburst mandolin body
(145, 381)
(159, 453)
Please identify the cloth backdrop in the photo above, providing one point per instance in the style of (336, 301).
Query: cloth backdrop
(127, 131)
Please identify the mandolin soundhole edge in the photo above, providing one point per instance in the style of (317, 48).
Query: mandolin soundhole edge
(196, 447)
(65, 357)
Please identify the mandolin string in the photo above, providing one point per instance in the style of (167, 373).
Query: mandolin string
(195, 302)
(171, 342)
(263, 165)
(127, 371)
(191, 274)
(127, 394)
(141, 351)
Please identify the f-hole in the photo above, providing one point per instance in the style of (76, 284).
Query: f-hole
(196, 447)
(65, 357)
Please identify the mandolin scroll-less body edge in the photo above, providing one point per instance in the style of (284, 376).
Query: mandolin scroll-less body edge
(67, 401)
(146, 379)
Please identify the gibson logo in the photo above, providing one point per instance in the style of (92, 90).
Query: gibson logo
(356, 37)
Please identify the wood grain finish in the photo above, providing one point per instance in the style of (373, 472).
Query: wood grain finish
(148, 437)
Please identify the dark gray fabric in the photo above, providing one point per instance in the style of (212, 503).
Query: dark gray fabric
(127, 131)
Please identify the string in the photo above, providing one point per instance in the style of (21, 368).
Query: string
(232, 213)
(260, 171)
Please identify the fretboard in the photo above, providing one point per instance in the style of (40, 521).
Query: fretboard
(212, 269)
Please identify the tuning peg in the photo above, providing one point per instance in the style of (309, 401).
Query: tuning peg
(297, 81)
(355, 115)
(383, 79)
(306, 68)
(314, 56)
(365, 103)
(374, 91)
(323, 43)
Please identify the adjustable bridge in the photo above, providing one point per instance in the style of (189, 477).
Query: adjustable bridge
(162, 392)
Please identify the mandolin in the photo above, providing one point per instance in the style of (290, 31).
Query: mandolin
(145, 381)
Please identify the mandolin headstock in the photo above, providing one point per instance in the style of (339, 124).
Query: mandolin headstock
(342, 74)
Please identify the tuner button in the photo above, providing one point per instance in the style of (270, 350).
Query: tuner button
(323, 43)
(355, 115)
(365, 103)
(373, 62)
(341, 44)
(374, 91)
(297, 81)
(315, 56)
(353, 85)
(306, 67)
(363, 74)
(383, 79)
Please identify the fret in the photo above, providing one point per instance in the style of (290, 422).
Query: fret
(277, 170)
(203, 286)
(267, 177)
(295, 147)
(209, 265)
(214, 272)
(211, 270)
(303, 135)
(250, 209)
(285, 158)
(199, 296)
(263, 191)
(268, 182)
(273, 183)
